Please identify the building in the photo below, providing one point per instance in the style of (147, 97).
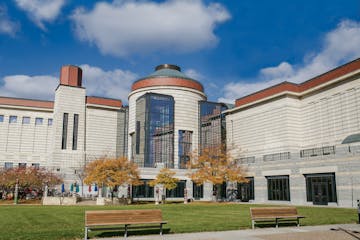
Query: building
(300, 143)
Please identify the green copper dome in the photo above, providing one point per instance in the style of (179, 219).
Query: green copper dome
(168, 70)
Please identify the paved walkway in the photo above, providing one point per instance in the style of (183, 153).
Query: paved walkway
(340, 232)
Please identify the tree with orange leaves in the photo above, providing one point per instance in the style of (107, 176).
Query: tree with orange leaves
(166, 179)
(112, 172)
(215, 165)
(27, 178)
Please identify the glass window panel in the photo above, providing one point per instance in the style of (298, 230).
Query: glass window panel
(12, 119)
(50, 122)
(39, 121)
(1, 118)
(26, 120)
(278, 188)
(8, 165)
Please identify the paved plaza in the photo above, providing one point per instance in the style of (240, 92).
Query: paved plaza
(324, 232)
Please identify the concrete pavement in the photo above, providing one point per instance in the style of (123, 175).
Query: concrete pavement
(324, 232)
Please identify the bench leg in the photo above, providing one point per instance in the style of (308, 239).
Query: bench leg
(277, 222)
(298, 222)
(161, 229)
(86, 233)
(253, 224)
(126, 228)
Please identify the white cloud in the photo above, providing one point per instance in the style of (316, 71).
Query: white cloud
(114, 84)
(339, 46)
(98, 82)
(192, 73)
(139, 26)
(40, 11)
(7, 26)
(23, 86)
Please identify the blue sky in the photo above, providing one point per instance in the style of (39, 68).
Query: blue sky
(233, 47)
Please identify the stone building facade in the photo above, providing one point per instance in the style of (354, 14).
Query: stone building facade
(300, 143)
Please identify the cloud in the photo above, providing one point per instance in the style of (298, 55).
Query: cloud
(7, 26)
(339, 46)
(40, 11)
(114, 84)
(125, 27)
(192, 73)
(98, 82)
(24, 86)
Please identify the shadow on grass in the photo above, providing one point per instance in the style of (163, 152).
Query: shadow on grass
(273, 224)
(131, 232)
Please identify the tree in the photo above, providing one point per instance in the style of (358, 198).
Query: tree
(166, 179)
(112, 172)
(215, 165)
(27, 178)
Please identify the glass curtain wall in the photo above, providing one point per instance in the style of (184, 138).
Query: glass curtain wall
(154, 131)
(185, 146)
(212, 124)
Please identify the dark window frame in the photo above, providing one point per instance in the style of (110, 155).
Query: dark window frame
(278, 188)
(75, 131)
(64, 131)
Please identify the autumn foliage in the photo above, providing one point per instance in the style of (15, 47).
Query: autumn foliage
(215, 165)
(166, 179)
(35, 178)
(112, 172)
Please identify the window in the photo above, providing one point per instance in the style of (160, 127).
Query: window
(137, 137)
(155, 131)
(36, 165)
(177, 192)
(212, 124)
(8, 165)
(198, 191)
(277, 156)
(313, 152)
(185, 142)
(143, 191)
(75, 131)
(26, 120)
(246, 190)
(64, 130)
(22, 165)
(321, 188)
(246, 160)
(12, 119)
(50, 122)
(278, 188)
(1, 118)
(39, 121)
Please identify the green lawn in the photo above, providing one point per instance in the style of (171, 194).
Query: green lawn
(67, 222)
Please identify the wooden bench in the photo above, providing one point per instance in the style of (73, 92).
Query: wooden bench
(97, 220)
(267, 214)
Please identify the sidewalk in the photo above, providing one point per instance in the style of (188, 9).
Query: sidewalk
(282, 233)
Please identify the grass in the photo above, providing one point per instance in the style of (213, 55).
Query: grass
(67, 222)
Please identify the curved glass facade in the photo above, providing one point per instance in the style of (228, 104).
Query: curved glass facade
(154, 145)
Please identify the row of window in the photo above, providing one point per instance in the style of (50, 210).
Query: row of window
(9, 165)
(320, 188)
(311, 152)
(26, 120)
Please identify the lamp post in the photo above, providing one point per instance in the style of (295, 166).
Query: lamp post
(16, 195)
(358, 205)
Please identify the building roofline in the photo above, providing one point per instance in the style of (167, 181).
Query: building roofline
(12, 101)
(111, 102)
(301, 87)
(158, 81)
